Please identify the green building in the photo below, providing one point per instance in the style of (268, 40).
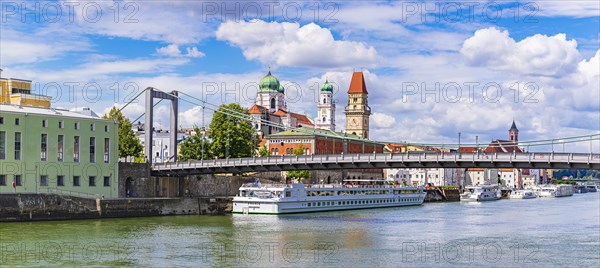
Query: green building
(46, 150)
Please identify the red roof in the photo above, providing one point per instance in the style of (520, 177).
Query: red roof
(475, 169)
(302, 119)
(503, 146)
(357, 85)
(256, 109)
(467, 149)
(280, 113)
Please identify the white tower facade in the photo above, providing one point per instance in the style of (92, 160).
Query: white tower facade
(326, 108)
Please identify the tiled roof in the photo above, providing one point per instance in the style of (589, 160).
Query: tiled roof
(302, 119)
(281, 113)
(357, 84)
(256, 109)
(503, 146)
(309, 132)
(467, 149)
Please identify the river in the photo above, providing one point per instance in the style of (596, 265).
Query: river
(555, 232)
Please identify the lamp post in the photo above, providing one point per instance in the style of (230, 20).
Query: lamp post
(477, 144)
(459, 141)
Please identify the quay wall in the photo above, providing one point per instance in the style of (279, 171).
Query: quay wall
(41, 207)
(442, 195)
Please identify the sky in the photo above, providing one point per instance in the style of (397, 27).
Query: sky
(432, 69)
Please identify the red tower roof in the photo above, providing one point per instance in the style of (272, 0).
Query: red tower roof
(357, 85)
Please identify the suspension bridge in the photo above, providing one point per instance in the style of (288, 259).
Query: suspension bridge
(452, 159)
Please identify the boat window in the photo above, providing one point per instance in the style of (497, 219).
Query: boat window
(288, 194)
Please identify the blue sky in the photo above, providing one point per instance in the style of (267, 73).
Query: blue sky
(547, 55)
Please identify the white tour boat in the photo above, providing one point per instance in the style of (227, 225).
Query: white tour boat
(481, 193)
(255, 198)
(522, 194)
(559, 190)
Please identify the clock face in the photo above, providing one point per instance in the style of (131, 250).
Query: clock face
(323, 111)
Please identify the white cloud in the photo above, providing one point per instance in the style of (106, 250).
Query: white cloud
(172, 50)
(568, 8)
(382, 120)
(534, 55)
(193, 52)
(144, 20)
(288, 44)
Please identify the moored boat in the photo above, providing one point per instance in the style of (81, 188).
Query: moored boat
(580, 189)
(481, 193)
(522, 194)
(592, 188)
(255, 198)
(559, 190)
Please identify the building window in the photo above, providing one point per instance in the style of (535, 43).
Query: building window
(76, 126)
(324, 101)
(44, 123)
(106, 181)
(60, 180)
(61, 124)
(17, 145)
(76, 149)
(44, 147)
(17, 121)
(106, 150)
(59, 148)
(92, 181)
(43, 180)
(93, 127)
(75, 180)
(106, 128)
(2, 180)
(17, 180)
(273, 103)
(2, 145)
(92, 150)
(1, 120)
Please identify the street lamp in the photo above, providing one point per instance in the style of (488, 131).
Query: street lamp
(459, 141)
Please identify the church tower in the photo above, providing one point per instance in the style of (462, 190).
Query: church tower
(358, 110)
(326, 108)
(271, 94)
(513, 133)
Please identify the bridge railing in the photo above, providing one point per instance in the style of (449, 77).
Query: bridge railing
(381, 157)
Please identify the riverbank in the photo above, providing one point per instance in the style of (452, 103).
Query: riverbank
(44, 207)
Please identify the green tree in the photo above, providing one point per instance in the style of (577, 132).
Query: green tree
(230, 135)
(129, 145)
(263, 151)
(305, 174)
(195, 147)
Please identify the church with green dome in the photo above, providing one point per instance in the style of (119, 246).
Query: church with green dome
(270, 107)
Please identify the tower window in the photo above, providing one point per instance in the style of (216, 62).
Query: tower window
(324, 100)
(272, 103)
(323, 119)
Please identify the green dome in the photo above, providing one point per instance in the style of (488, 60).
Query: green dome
(281, 89)
(327, 87)
(269, 83)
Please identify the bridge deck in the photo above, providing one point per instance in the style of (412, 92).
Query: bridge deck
(360, 161)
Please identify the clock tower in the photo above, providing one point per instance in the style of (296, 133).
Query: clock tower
(358, 110)
(326, 108)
